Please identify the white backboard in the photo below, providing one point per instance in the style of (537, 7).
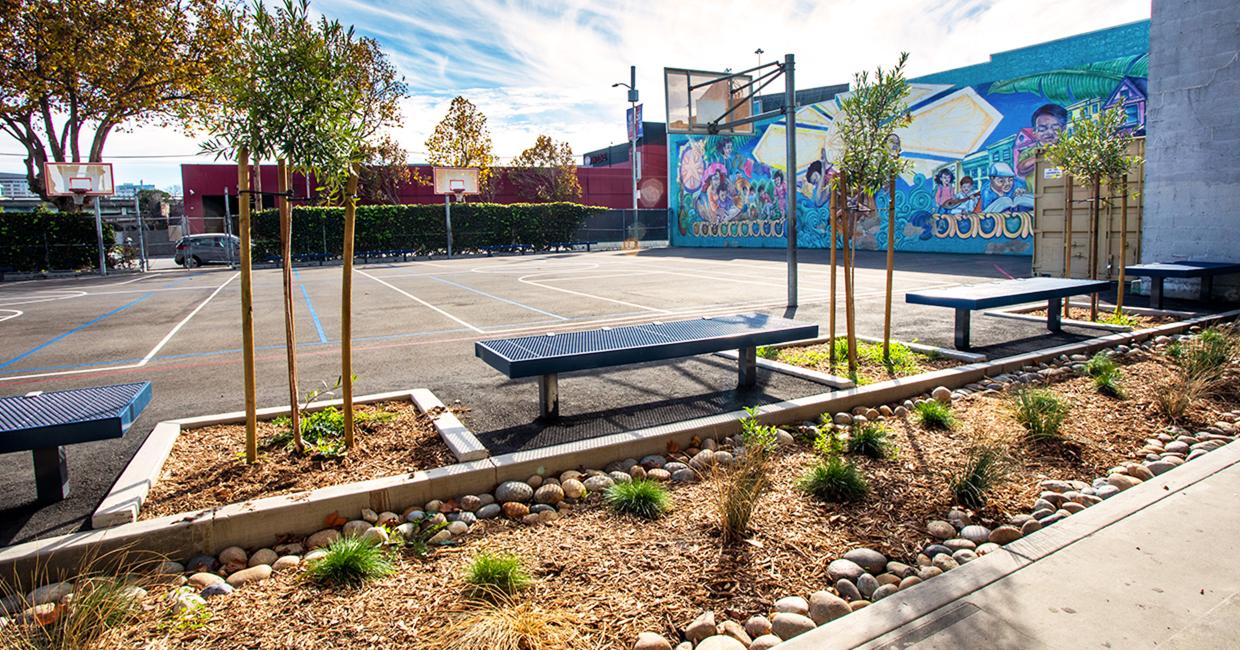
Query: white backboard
(456, 180)
(90, 179)
(691, 111)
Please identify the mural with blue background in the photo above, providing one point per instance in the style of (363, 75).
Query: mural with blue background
(973, 146)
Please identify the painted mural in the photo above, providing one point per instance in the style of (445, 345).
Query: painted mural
(973, 149)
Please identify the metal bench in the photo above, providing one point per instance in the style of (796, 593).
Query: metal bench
(571, 245)
(547, 355)
(43, 422)
(966, 298)
(506, 248)
(1158, 272)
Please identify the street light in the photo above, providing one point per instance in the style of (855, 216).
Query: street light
(633, 98)
(759, 52)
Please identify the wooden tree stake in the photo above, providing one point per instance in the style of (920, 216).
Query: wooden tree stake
(346, 307)
(247, 308)
(290, 330)
(891, 261)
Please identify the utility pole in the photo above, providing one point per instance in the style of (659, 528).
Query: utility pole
(790, 226)
(635, 129)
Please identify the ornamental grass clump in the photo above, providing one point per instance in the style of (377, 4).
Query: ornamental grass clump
(872, 440)
(1207, 355)
(933, 414)
(1042, 413)
(985, 467)
(496, 576)
(352, 562)
(640, 497)
(506, 624)
(834, 480)
(738, 488)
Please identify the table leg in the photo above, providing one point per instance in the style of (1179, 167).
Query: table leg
(1207, 288)
(1156, 293)
(962, 329)
(549, 396)
(51, 474)
(747, 367)
(1054, 312)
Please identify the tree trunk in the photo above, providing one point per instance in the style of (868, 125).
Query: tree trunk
(1123, 245)
(290, 331)
(849, 320)
(891, 261)
(1094, 223)
(835, 222)
(346, 308)
(247, 309)
(1067, 236)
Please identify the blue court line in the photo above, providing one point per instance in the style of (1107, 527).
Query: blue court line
(74, 330)
(494, 297)
(318, 326)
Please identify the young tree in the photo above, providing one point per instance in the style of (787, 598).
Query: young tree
(869, 116)
(461, 139)
(1096, 150)
(72, 72)
(547, 171)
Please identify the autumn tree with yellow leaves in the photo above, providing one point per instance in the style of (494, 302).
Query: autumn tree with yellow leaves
(461, 139)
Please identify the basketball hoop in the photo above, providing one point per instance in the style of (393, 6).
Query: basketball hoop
(79, 195)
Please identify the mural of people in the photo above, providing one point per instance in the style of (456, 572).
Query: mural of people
(1005, 192)
(1047, 122)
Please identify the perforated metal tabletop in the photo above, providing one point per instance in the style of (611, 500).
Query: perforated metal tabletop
(70, 416)
(529, 356)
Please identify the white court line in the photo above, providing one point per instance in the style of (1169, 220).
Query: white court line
(499, 298)
(41, 296)
(585, 295)
(13, 313)
(419, 300)
(149, 355)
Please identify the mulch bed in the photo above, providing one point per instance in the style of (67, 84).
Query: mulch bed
(1143, 321)
(206, 467)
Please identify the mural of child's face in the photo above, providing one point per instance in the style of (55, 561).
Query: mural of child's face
(1047, 128)
(813, 178)
(1002, 184)
(966, 187)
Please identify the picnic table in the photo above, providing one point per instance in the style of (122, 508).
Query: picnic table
(43, 423)
(966, 298)
(547, 355)
(1157, 272)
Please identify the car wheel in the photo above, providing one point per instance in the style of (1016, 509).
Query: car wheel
(192, 262)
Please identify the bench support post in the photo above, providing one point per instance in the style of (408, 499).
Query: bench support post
(51, 474)
(747, 367)
(1054, 311)
(1207, 288)
(962, 328)
(549, 396)
(1156, 292)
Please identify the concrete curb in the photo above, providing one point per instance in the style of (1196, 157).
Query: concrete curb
(124, 499)
(924, 601)
(463, 443)
(959, 355)
(263, 521)
(796, 371)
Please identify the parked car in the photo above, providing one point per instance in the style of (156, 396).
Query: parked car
(210, 248)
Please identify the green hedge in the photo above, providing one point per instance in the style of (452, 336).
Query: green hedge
(421, 228)
(50, 241)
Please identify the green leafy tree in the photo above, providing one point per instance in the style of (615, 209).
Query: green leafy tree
(865, 163)
(547, 171)
(1096, 150)
(461, 139)
(72, 72)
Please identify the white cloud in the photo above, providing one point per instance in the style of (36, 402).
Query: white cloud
(548, 67)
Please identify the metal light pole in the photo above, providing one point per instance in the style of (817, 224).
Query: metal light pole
(790, 226)
(634, 127)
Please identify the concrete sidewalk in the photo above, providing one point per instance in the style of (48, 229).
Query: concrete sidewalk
(1152, 567)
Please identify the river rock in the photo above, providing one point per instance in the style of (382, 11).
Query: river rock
(847, 590)
(703, 626)
(825, 606)
(250, 575)
(286, 563)
(736, 631)
(1123, 481)
(786, 626)
(882, 592)
(489, 511)
(976, 534)
(843, 568)
(758, 625)
(651, 641)
(202, 580)
(720, 642)
(263, 556)
(867, 559)
(50, 593)
(866, 584)
(515, 510)
(355, 528)
(513, 491)
(598, 484)
(218, 589)
(549, 494)
(765, 642)
(792, 605)
(940, 529)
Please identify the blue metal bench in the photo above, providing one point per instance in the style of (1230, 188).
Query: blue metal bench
(571, 245)
(506, 248)
(547, 355)
(966, 298)
(43, 423)
(1158, 272)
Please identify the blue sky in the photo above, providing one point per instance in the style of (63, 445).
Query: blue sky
(548, 67)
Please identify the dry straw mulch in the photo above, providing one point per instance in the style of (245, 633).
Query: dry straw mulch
(207, 469)
(618, 576)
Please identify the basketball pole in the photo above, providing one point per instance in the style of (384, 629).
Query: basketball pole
(103, 256)
(447, 218)
(790, 228)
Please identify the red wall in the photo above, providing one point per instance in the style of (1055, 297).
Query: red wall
(609, 187)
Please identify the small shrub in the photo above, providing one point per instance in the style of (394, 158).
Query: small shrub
(1118, 317)
(830, 443)
(101, 602)
(738, 488)
(933, 414)
(507, 625)
(1176, 396)
(1205, 356)
(1100, 363)
(985, 467)
(1042, 413)
(351, 561)
(640, 497)
(834, 480)
(497, 576)
(871, 439)
(758, 437)
(768, 352)
(1106, 374)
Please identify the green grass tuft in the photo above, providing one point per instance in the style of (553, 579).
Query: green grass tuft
(872, 440)
(985, 468)
(834, 480)
(933, 414)
(1042, 413)
(492, 575)
(1118, 317)
(351, 561)
(640, 497)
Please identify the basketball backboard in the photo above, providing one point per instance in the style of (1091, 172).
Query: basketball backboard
(456, 180)
(78, 179)
(695, 98)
